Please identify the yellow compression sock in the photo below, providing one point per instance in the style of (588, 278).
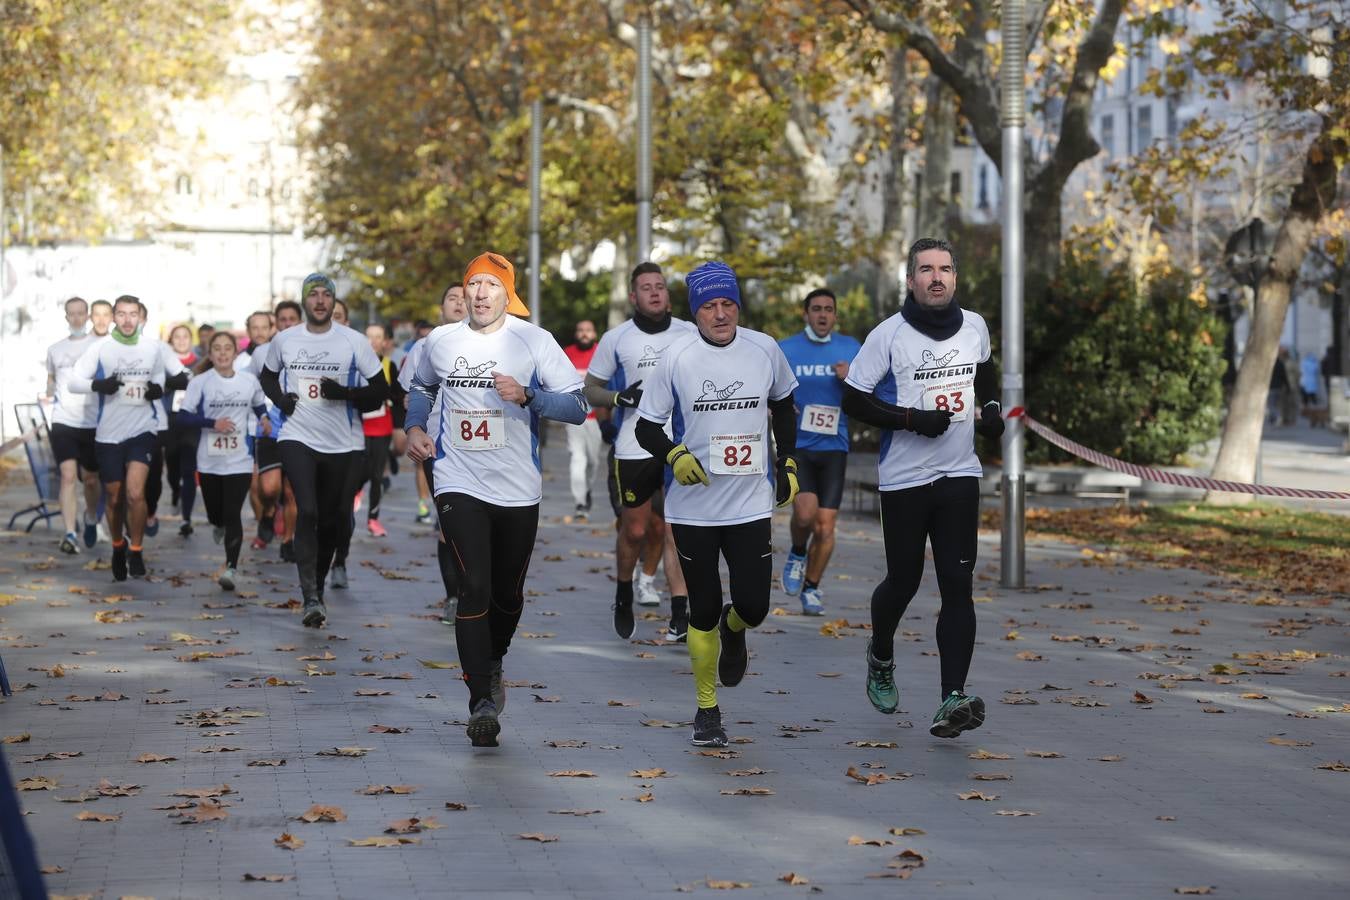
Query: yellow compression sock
(704, 647)
(734, 621)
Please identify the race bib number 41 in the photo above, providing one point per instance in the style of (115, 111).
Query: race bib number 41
(820, 419)
(224, 444)
(736, 454)
(477, 429)
(954, 397)
(134, 391)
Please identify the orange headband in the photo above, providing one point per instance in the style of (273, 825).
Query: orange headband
(499, 267)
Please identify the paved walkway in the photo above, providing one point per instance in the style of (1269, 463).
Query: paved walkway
(1131, 769)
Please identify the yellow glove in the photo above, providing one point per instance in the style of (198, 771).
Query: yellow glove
(686, 466)
(785, 480)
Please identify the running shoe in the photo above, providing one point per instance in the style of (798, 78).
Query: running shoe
(226, 580)
(794, 570)
(287, 551)
(497, 688)
(958, 713)
(881, 688)
(448, 611)
(386, 482)
(734, 658)
(581, 513)
(314, 613)
(708, 730)
(136, 564)
(356, 501)
(119, 563)
(90, 533)
(152, 526)
(69, 543)
(423, 513)
(185, 530)
(267, 530)
(337, 577)
(811, 605)
(645, 592)
(217, 534)
(677, 632)
(376, 529)
(258, 544)
(483, 726)
(624, 625)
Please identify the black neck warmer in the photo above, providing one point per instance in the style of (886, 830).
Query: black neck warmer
(938, 324)
(651, 326)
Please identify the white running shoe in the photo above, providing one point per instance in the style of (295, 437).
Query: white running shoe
(645, 592)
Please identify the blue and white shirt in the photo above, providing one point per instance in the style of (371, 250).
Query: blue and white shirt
(821, 424)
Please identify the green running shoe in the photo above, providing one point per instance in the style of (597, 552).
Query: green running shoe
(957, 713)
(881, 688)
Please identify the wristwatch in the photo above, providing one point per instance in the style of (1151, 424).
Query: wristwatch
(529, 397)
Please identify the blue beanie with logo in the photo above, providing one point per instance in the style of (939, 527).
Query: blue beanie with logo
(712, 280)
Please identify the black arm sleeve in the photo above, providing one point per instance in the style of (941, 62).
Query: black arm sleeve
(986, 383)
(653, 438)
(370, 395)
(177, 382)
(271, 387)
(783, 415)
(866, 408)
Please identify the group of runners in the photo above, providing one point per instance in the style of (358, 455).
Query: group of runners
(712, 426)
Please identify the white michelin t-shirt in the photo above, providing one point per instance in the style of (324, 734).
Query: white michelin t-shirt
(628, 354)
(486, 447)
(69, 408)
(717, 401)
(216, 397)
(127, 413)
(303, 358)
(905, 367)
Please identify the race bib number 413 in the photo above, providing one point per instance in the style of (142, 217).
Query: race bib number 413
(477, 429)
(224, 444)
(736, 454)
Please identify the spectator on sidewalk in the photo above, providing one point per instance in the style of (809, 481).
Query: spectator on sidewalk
(1308, 378)
(1279, 387)
(584, 444)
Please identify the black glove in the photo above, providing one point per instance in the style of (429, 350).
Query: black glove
(928, 422)
(331, 390)
(991, 420)
(154, 390)
(106, 386)
(288, 404)
(630, 396)
(609, 432)
(785, 481)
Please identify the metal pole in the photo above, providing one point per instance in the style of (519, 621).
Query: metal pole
(4, 304)
(1013, 76)
(536, 164)
(644, 140)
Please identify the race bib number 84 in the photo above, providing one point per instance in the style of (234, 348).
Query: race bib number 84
(736, 454)
(477, 429)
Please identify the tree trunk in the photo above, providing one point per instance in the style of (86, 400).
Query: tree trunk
(1312, 198)
(939, 131)
(619, 307)
(891, 248)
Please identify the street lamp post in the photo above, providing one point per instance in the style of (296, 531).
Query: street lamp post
(536, 167)
(1013, 548)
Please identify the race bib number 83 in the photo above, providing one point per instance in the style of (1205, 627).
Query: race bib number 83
(954, 397)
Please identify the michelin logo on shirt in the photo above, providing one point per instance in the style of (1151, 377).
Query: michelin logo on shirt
(716, 398)
(650, 356)
(464, 375)
(304, 362)
(938, 367)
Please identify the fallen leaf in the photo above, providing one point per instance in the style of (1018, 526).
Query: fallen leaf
(345, 751)
(648, 773)
(976, 795)
(571, 773)
(793, 878)
(320, 813)
(1337, 766)
(268, 762)
(1015, 812)
(860, 841)
(620, 703)
(36, 783)
(1254, 696)
(371, 692)
(1044, 754)
(1112, 758)
(88, 816)
(249, 876)
(906, 832)
(565, 744)
(387, 729)
(1029, 656)
(720, 754)
(727, 885)
(991, 776)
(749, 792)
(204, 793)
(536, 836)
(413, 826)
(540, 698)
(457, 807)
(52, 870)
(438, 664)
(1288, 742)
(154, 758)
(382, 841)
(746, 773)
(645, 798)
(18, 738)
(985, 754)
(875, 745)
(372, 789)
(205, 811)
(575, 812)
(1193, 890)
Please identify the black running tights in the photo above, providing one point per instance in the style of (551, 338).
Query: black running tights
(224, 496)
(492, 547)
(748, 550)
(377, 458)
(324, 485)
(445, 557)
(947, 513)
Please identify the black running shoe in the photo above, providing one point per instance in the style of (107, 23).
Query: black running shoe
(497, 688)
(186, 529)
(287, 551)
(708, 730)
(734, 658)
(958, 713)
(483, 726)
(314, 613)
(136, 564)
(119, 563)
(266, 530)
(677, 632)
(624, 625)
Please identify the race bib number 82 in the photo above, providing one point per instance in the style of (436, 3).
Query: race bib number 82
(736, 454)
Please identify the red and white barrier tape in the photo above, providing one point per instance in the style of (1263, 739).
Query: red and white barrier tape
(1162, 477)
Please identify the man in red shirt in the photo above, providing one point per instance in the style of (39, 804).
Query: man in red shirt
(583, 441)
